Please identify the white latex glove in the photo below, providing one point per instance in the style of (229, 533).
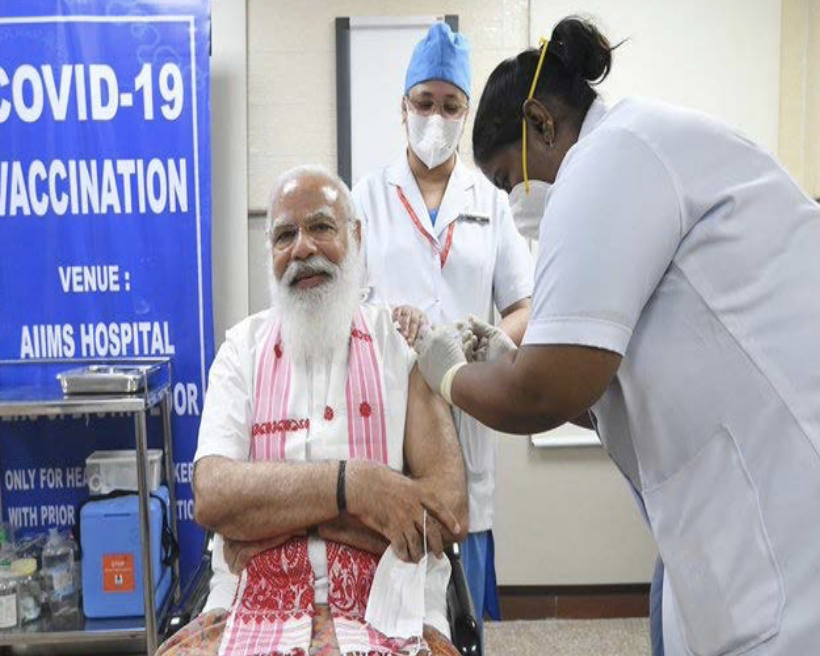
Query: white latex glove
(469, 341)
(492, 341)
(440, 356)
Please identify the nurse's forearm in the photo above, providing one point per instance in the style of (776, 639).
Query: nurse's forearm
(493, 393)
(515, 318)
(535, 389)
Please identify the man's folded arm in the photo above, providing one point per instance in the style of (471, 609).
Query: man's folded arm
(258, 500)
(352, 532)
(249, 501)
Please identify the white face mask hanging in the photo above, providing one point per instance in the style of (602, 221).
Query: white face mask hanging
(433, 138)
(396, 605)
(528, 208)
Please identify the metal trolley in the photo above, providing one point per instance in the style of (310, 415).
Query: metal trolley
(133, 388)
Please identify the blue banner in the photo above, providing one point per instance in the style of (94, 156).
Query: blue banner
(105, 219)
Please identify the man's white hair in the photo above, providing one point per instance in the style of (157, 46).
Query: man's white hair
(314, 170)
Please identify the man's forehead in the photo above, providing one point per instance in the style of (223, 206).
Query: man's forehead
(306, 196)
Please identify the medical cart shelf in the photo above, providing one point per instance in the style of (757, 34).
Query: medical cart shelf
(76, 630)
(44, 398)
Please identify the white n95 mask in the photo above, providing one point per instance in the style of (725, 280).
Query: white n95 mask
(433, 138)
(528, 208)
(397, 604)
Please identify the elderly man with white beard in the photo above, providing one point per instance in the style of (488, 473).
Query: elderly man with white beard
(320, 447)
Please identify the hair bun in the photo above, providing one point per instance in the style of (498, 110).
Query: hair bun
(582, 49)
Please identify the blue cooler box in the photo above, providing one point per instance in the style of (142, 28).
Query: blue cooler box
(112, 557)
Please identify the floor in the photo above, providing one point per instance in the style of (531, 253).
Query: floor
(621, 637)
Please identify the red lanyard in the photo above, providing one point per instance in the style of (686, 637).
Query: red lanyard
(448, 242)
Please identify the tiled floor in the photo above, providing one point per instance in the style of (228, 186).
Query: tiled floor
(623, 637)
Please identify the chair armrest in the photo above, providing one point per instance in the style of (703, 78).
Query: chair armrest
(193, 597)
(463, 625)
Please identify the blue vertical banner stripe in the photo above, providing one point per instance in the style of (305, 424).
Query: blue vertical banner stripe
(105, 227)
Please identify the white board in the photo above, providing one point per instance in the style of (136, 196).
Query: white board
(380, 50)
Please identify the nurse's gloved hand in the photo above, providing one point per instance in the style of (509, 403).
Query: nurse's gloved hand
(440, 356)
(493, 342)
(469, 341)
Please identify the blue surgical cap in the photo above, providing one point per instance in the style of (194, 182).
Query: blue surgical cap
(441, 55)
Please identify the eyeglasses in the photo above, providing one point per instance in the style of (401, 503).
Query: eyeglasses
(449, 108)
(318, 230)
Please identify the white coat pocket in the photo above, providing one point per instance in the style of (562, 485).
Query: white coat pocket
(709, 527)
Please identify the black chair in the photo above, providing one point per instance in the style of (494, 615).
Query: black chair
(460, 611)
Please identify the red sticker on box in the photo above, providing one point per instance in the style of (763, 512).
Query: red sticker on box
(118, 573)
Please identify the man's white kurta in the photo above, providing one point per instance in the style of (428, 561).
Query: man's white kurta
(679, 244)
(227, 418)
(488, 266)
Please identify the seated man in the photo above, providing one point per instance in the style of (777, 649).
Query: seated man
(314, 410)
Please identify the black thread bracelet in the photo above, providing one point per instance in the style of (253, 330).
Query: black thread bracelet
(341, 499)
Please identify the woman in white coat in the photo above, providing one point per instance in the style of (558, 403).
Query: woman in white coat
(440, 238)
(677, 307)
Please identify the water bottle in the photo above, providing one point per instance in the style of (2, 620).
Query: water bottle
(62, 595)
(8, 553)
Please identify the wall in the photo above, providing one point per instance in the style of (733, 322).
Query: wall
(229, 175)
(566, 517)
(799, 145)
(718, 57)
(812, 141)
(292, 72)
